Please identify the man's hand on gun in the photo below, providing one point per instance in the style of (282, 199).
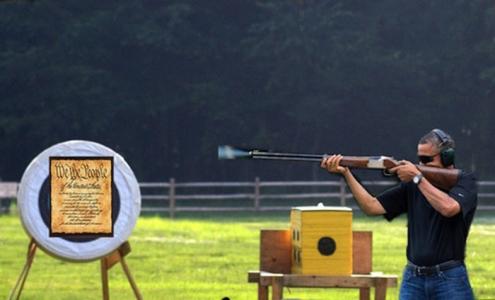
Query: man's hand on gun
(331, 164)
(406, 170)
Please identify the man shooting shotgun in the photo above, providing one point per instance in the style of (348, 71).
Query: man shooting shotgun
(440, 202)
(439, 217)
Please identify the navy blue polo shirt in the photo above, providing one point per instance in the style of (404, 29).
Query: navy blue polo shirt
(431, 237)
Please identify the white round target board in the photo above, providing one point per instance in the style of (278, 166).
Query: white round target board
(35, 205)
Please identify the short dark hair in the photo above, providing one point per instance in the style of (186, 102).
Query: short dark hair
(433, 138)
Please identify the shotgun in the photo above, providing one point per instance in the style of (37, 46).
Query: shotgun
(442, 178)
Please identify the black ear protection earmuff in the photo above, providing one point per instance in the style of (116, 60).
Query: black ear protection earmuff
(447, 155)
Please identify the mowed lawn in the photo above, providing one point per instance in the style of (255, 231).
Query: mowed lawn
(207, 257)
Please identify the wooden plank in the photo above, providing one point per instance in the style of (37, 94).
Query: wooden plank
(299, 183)
(266, 278)
(104, 279)
(112, 259)
(171, 198)
(262, 292)
(256, 196)
(154, 197)
(380, 289)
(353, 281)
(117, 255)
(277, 288)
(214, 197)
(362, 252)
(198, 209)
(488, 195)
(215, 184)
(214, 208)
(328, 281)
(254, 276)
(275, 251)
(486, 207)
(364, 294)
(486, 183)
(127, 272)
(153, 185)
(154, 209)
(301, 195)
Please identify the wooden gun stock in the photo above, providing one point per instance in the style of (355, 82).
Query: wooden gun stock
(444, 179)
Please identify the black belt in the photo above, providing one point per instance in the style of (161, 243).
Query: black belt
(433, 270)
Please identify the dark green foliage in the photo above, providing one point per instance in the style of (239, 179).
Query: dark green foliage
(165, 82)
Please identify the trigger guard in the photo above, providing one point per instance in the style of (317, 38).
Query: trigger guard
(387, 173)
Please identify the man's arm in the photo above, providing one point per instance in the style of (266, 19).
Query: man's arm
(439, 200)
(369, 204)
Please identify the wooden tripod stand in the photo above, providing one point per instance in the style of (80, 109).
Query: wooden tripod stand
(107, 262)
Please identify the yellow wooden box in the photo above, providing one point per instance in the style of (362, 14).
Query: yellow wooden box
(321, 240)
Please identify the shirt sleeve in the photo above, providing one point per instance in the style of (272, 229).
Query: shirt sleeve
(394, 201)
(465, 192)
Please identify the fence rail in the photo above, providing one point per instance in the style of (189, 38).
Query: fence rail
(172, 197)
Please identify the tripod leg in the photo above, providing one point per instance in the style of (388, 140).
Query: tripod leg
(25, 271)
(104, 279)
(131, 280)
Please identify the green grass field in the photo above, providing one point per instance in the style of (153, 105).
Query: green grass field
(207, 257)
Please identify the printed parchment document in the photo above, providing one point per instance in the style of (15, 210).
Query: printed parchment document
(81, 196)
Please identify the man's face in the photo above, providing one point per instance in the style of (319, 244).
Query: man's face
(429, 150)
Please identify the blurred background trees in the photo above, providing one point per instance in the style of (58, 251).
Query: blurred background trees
(165, 82)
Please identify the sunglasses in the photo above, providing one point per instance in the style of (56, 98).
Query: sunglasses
(425, 159)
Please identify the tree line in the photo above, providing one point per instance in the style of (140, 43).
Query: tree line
(165, 82)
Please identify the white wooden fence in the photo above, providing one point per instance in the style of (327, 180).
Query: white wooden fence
(172, 197)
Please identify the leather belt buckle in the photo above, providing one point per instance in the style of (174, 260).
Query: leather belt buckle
(426, 271)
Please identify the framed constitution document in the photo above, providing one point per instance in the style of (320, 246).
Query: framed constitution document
(81, 196)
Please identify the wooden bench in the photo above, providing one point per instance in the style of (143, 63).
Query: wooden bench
(275, 254)
(361, 281)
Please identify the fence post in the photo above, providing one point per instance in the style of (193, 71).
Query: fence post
(342, 188)
(257, 194)
(171, 198)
